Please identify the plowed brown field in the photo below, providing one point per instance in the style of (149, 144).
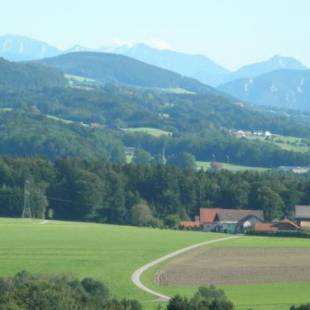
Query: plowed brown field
(236, 266)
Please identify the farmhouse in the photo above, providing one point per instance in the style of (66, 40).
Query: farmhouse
(225, 220)
(302, 216)
(229, 220)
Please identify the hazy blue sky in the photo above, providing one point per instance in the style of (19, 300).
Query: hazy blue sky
(232, 32)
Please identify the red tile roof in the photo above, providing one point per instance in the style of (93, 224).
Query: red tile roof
(208, 215)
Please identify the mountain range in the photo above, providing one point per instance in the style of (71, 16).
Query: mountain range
(278, 81)
(196, 66)
(200, 67)
(94, 105)
(18, 48)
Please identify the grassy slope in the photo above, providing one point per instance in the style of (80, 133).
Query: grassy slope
(150, 131)
(205, 165)
(288, 143)
(278, 296)
(106, 252)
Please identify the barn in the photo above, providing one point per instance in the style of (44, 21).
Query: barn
(302, 216)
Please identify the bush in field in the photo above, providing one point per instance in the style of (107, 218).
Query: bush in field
(25, 291)
(141, 214)
(207, 298)
(303, 307)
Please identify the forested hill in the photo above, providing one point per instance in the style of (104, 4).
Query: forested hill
(20, 76)
(122, 107)
(111, 68)
(99, 123)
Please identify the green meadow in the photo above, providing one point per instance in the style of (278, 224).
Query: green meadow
(105, 252)
(111, 254)
(288, 143)
(149, 131)
(206, 165)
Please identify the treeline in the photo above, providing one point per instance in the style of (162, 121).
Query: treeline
(161, 196)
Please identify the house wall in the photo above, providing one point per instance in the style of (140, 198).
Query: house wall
(229, 228)
(248, 223)
(226, 227)
(305, 224)
(210, 226)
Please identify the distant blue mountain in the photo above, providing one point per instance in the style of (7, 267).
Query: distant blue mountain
(289, 89)
(18, 48)
(196, 66)
(273, 64)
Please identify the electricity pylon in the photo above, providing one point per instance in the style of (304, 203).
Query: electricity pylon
(27, 205)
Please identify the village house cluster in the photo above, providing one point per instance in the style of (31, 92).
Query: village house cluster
(239, 221)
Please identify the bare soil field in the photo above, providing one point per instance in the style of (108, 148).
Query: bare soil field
(220, 266)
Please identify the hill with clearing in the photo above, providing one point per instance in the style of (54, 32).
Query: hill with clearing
(112, 68)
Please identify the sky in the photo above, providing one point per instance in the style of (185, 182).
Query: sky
(231, 32)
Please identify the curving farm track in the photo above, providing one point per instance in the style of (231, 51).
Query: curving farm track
(136, 276)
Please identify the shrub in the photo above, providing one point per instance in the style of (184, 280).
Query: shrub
(207, 298)
(25, 291)
(302, 307)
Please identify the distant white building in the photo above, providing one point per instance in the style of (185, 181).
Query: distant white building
(297, 170)
(268, 134)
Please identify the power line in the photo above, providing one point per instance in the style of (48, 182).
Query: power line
(51, 198)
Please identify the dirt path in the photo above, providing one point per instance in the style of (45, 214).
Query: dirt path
(136, 276)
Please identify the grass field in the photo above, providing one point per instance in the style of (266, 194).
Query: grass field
(205, 165)
(150, 131)
(178, 91)
(6, 109)
(106, 252)
(274, 296)
(58, 119)
(111, 253)
(288, 143)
